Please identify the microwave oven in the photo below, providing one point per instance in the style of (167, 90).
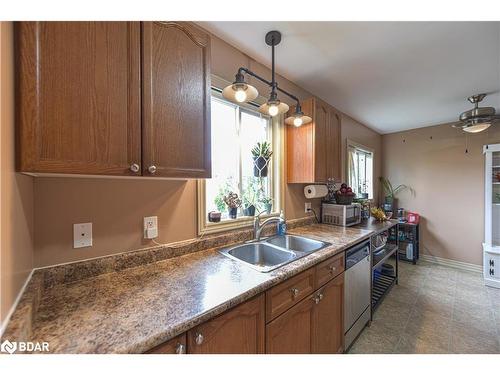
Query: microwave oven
(339, 214)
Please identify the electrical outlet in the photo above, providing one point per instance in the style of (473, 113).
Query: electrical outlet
(82, 235)
(151, 227)
(307, 207)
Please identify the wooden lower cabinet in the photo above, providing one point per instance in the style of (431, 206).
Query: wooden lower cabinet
(292, 332)
(328, 318)
(313, 326)
(239, 331)
(177, 345)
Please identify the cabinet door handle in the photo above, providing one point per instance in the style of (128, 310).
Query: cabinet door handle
(152, 169)
(492, 263)
(180, 349)
(198, 338)
(320, 296)
(332, 269)
(135, 167)
(316, 299)
(295, 292)
(492, 271)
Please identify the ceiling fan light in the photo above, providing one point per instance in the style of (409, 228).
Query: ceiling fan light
(476, 128)
(240, 92)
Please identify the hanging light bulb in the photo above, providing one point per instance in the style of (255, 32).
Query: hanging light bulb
(273, 109)
(298, 118)
(240, 95)
(297, 121)
(240, 91)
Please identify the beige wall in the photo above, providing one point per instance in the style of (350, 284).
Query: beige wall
(16, 191)
(449, 186)
(116, 207)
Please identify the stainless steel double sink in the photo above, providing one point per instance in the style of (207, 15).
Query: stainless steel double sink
(273, 252)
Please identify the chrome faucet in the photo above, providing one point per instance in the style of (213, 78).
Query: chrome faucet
(258, 226)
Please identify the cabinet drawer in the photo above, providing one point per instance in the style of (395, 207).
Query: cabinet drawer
(177, 345)
(328, 269)
(283, 296)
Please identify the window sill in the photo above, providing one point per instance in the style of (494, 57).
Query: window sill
(230, 224)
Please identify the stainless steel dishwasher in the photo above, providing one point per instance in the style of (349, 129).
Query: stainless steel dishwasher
(357, 311)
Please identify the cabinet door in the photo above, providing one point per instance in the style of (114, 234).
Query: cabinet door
(292, 332)
(78, 97)
(176, 100)
(177, 345)
(328, 321)
(333, 146)
(321, 133)
(238, 331)
(300, 147)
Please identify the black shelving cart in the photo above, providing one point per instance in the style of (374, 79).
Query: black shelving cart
(409, 242)
(383, 282)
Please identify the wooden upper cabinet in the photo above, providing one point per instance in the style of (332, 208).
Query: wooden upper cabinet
(78, 97)
(333, 146)
(313, 150)
(240, 330)
(176, 100)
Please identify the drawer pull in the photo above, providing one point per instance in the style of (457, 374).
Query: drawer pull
(295, 292)
(135, 168)
(180, 349)
(332, 268)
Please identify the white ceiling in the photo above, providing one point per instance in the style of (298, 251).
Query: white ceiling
(390, 76)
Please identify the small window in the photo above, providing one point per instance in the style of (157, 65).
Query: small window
(360, 170)
(235, 131)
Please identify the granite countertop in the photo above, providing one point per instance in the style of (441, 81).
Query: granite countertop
(135, 309)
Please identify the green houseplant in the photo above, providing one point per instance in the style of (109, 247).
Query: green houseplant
(261, 154)
(390, 191)
(267, 203)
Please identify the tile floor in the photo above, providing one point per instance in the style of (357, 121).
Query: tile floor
(434, 309)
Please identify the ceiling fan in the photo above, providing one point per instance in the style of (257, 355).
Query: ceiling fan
(477, 119)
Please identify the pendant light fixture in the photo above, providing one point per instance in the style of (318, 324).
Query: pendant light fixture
(240, 91)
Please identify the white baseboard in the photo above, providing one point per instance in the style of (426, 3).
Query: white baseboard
(452, 263)
(6, 321)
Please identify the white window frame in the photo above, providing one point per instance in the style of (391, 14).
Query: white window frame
(276, 176)
(366, 149)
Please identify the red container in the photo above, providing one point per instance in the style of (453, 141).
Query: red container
(413, 218)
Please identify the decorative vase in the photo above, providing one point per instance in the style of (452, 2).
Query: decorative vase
(233, 212)
(260, 166)
(249, 211)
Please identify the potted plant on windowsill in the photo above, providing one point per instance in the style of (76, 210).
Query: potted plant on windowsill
(267, 203)
(248, 204)
(261, 154)
(233, 202)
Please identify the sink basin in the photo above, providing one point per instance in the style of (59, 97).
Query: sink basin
(297, 243)
(260, 256)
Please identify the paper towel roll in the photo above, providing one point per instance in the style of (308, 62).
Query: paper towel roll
(315, 191)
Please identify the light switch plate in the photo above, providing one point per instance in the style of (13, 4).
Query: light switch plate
(307, 207)
(151, 227)
(82, 235)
